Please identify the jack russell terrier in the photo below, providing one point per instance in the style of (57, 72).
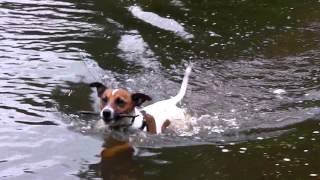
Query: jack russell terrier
(120, 108)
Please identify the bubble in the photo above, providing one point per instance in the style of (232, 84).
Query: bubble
(286, 159)
(214, 44)
(225, 150)
(279, 91)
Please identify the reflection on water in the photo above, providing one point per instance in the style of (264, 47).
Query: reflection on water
(253, 93)
(160, 22)
(116, 161)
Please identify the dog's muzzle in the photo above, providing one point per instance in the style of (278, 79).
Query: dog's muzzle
(107, 115)
(115, 119)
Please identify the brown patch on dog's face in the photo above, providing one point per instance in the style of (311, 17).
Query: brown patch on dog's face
(118, 99)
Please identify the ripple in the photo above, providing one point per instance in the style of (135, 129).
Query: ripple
(16, 157)
(135, 49)
(37, 123)
(265, 85)
(30, 167)
(38, 52)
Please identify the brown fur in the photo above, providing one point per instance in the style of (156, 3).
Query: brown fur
(116, 150)
(121, 94)
(151, 123)
(165, 125)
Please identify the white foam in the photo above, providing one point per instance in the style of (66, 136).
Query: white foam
(279, 91)
(160, 22)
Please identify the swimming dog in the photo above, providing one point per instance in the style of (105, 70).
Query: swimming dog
(120, 108)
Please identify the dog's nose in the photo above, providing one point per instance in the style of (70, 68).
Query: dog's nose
(107, 115)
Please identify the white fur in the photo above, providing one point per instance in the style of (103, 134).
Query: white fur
(166, 109)
(107, 108)
(137, 123)
(114, 91)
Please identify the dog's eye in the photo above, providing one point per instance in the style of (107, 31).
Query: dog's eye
(105, 99)
(120, 102)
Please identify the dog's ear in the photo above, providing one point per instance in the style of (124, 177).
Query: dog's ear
(100, 88)
(139, 98)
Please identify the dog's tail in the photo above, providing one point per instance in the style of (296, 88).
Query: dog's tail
(184, 85)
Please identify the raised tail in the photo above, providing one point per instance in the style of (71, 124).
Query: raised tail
(184, 85)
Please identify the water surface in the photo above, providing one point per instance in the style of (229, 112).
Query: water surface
(254, 93)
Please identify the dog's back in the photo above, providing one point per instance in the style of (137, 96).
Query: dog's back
(167, 109)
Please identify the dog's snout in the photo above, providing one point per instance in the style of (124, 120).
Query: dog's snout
(107, 115)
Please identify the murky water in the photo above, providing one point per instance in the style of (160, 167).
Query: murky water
(254, 93)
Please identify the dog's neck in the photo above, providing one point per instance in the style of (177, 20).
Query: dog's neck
(138, 121)
(141, 121)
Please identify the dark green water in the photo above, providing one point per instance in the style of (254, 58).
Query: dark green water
(254, 93)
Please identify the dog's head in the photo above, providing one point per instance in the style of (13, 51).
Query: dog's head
(117, 104)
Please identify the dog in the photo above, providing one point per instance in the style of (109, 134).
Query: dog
(120, 109)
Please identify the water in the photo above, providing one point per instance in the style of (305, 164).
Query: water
(254, 93)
